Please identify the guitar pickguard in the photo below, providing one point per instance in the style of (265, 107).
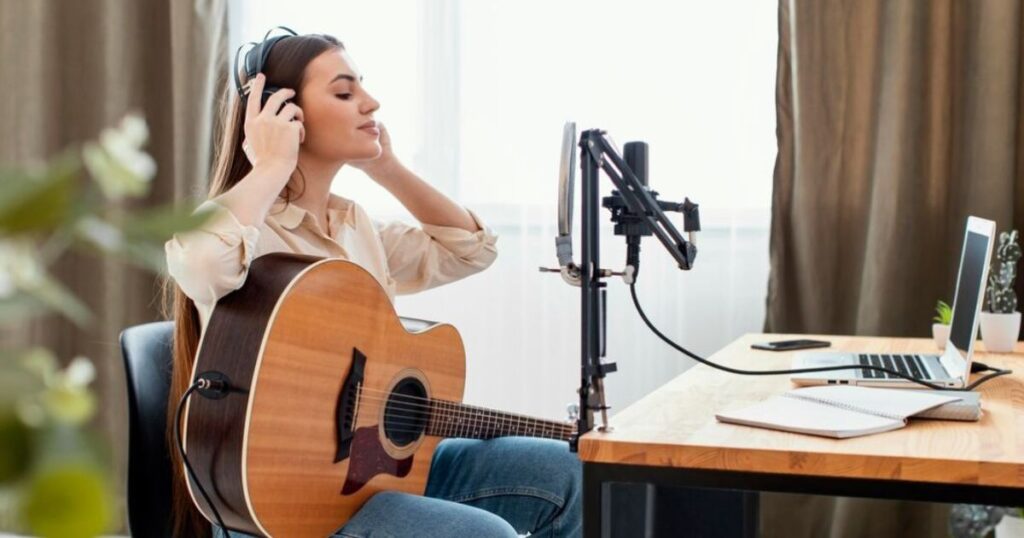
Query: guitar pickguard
(368, 459)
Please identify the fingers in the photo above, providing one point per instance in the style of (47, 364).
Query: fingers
(247, 150)
(275, 101)
(291, 111)
(252, 106)
(299, 129)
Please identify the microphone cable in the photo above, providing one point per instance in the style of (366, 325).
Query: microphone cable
(632, 290)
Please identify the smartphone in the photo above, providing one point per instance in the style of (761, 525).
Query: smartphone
(790, 345)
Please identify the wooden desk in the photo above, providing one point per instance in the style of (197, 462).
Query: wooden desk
(671, 437)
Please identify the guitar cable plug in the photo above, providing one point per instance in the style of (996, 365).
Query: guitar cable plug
(218, 386)
(213, 387)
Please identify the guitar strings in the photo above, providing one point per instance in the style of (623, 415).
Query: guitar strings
(409, 403)
(411, 410)
(407, 423)
(465, 432)
(440, 423)
(459, 407)
(410, 397)
(476, 432)
(409, 413)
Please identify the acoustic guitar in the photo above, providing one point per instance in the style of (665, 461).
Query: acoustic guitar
(335, 398)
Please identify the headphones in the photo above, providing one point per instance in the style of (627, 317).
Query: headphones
(255, 59)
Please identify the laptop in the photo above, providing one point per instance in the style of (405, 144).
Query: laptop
(950, 369)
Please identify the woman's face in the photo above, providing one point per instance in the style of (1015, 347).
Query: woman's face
(337, 110)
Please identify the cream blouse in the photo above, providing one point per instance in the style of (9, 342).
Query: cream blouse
(209, 262)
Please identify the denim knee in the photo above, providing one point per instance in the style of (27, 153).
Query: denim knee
(396, 514)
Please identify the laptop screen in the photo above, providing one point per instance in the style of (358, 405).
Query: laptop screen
(965, 306)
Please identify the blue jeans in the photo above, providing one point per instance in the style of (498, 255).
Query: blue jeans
(501, 487)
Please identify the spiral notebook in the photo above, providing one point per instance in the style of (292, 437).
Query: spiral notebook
(839, 411)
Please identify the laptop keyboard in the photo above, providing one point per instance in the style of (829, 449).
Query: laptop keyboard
(911, 365)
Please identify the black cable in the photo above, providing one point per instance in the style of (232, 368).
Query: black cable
(667, 340)
(978, 367)
(997, 373)
(181, 449)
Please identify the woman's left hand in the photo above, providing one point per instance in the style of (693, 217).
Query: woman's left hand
(383, 161)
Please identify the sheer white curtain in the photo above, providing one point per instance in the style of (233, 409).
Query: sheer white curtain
(475, 94)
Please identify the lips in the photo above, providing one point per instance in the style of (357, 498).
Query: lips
(370, 127)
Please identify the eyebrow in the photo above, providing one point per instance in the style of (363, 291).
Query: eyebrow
(346, 77)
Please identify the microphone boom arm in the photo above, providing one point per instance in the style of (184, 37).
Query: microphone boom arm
(597, 154)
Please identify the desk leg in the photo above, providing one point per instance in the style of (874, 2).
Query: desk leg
(613, 508)
(593, 502)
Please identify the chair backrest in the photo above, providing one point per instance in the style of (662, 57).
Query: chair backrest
(147, 363)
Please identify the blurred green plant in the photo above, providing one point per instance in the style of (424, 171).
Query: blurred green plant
(54, 473)
(943, 313)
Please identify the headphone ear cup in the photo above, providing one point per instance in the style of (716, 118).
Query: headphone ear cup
(267, 92)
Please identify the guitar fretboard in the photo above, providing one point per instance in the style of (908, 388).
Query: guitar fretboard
(453, 419)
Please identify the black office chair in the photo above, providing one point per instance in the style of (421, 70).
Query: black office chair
(147, 364)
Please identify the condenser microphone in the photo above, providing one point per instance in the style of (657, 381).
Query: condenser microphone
(635, 154)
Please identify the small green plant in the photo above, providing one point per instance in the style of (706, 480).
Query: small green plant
(54, 469)
(944, 314)
(1001, 297)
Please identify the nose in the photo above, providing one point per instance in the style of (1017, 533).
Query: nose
(370, 105)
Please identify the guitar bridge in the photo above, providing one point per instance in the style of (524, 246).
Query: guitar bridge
(347, 405)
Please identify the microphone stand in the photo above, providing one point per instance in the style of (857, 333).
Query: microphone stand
(636, 212)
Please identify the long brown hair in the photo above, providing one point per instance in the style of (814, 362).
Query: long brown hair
(285, 68)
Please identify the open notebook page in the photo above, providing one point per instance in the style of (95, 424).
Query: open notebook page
(886, 402)
(831, 412)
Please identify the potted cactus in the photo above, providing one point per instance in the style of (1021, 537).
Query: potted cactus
(940, 329)
(1000, 322)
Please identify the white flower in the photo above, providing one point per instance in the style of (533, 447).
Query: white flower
(134, 129)
(100, 232)
(117, 162)
(19, 267)
(63, 396)
(79, 373)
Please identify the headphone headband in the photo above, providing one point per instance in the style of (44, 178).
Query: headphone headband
(256, 57)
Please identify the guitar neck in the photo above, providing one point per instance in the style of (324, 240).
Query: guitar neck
(453, 419)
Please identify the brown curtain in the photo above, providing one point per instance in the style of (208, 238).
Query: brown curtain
(896, 120)
(72, 67)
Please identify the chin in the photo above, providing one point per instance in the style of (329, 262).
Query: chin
(360, 154)
(373, 152)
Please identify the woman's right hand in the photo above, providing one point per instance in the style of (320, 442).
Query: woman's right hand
(272, 140)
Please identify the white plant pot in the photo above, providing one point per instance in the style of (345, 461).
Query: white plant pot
(999, 331)
(940, 333)
(1010, 527)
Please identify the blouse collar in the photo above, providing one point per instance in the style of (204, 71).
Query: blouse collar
(290, 215)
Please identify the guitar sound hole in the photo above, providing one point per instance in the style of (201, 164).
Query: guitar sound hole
(406, 413)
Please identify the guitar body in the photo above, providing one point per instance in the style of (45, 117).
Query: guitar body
(316, 351)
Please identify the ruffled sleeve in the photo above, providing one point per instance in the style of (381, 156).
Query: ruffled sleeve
(425, 257)
(213, 260)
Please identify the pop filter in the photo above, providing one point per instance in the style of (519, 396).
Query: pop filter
(566, 180)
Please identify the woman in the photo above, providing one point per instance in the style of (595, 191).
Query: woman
(271, 193)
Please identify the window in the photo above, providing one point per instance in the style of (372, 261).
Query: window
(475, 94)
